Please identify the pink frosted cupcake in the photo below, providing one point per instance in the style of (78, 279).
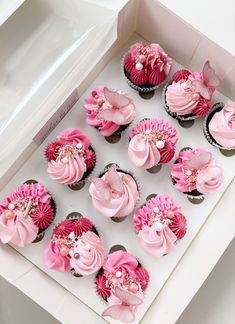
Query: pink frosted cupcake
(159, 223)
(219, 126)
(75, 246)
(189, 94)
(195, 173)
(71, 158)
(110, 111)
(146, 66)
(152, 142)
(114, 193)
(121, 282)
(25, 214)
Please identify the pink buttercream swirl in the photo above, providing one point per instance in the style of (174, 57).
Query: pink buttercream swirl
(119, 204)
(196, 169)
(153, 223)
(71, 160)
(222, 126)
(53, 258)
(152, 142)
(108, 109)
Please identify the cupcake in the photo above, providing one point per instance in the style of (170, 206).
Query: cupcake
(219, 126)
(70, 157)
(152, 142)
(25, 214)
(110, 111)
(75, 246)
(189, 94)
(121, 283)
(146, 66)
(114, 193)
(195, 173)
(159, 223)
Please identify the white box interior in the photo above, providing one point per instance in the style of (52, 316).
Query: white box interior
(160, 183)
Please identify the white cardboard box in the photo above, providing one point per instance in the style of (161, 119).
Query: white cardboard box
(156, 15)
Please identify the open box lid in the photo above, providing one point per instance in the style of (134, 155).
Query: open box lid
(47, 49)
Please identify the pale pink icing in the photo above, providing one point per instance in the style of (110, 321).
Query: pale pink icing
(91, 254)
(67, 172)
(144, 136)
(93, 108)
(18, 230)
(156, 243)
(53, 258)
(180, 101)
(209, 179)
(120, 204)
(222, 125)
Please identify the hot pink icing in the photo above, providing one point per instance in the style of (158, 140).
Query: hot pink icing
(18, 229)
(178, 226)
(120, 204)
(222, 125)
(202, 108)
(206, 178)
(181, 75)
(53, 259)
(91, 254)
(143, 277)
(145, 137)
(96, 103)
(102, 289)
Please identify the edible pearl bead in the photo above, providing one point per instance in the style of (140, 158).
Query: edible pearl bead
(170, 214)
(79, 145)
(188, 172)
(160, 144)
(72, 235)
(148, 131)
(11, 206)
(76, 256)
(118, 274)
(133, 288)
(64, 250)
(139, 66)
(87, 247)
(141, 59)
(65, 159)
(156, 209)
(159, 136)
(184, 85)
(158, 227)
(9, 214)
(195, 96)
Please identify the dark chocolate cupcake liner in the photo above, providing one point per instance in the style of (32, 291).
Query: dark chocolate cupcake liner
(136, 87)
(215, 108)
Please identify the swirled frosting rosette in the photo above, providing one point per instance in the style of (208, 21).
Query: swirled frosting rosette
(75, 246)
(152, 142)
(110, 111)
(196, 173)
(146, 66)
(219, 126)
(189, 94)
(121, 282)
(159, 223)
(25, 214)
(114, 193)
(70, 157)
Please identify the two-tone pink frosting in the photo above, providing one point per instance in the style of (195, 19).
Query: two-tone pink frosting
(108, 109)
(75, 246)
(191, 92)
(152, 142)
(23, 213)
(69, 156)
(222, 126)
(196, 169)
(147, 64)
(159, 224)
(118, 203)
(121, 283)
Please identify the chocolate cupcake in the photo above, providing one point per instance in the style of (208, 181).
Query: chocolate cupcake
(71, 158)
(25, 214)
(75, 246)
(146, 66)
(121, 282)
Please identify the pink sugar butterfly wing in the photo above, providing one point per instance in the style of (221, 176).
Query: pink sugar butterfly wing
(101, 186)
(126, 297)
(116, 99)
(202, 89)
(112, 115)
(200, 161)
(120, 312)
(114, 179)
(209, 75)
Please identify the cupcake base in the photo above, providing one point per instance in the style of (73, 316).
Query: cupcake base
(155, 169)
(226, 151)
